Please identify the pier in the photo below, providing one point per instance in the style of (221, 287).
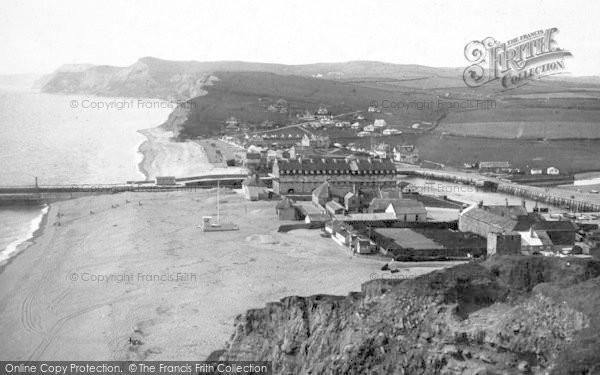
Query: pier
(42, 194)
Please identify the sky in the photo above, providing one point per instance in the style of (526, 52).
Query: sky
(40, 35)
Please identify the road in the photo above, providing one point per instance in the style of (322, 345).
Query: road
(302, 123)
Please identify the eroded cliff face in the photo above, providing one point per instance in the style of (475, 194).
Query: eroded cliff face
(504, 316)
(147, 78)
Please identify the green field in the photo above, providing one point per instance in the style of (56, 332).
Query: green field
(522, 129)
(532, 132)
(570, 156)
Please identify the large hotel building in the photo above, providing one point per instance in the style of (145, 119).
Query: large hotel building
(305, 174)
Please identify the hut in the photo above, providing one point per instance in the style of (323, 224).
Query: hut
(286, 210)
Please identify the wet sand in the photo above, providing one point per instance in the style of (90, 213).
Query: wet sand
(147, 273)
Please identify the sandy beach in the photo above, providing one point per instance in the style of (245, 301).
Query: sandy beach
(164, 157)
(142, 281)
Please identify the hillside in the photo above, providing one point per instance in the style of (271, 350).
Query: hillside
(551, 122)
(507, 315)
(152, 77)
(247, 95)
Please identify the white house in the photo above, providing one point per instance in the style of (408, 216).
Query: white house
(361, 134)
(552, 171)
(391, 131)
(406, 154)
(407, 210)
(369, 128)
(356, 125)
(379, 123)
(535, 171)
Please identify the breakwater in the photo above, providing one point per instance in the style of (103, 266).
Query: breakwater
(571, 200)
(540, 195)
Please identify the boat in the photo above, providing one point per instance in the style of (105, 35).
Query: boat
(208, 225)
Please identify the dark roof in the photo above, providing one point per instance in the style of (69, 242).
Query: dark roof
(408, 206)
(525, 223)
(390, 193)
(560, 225)
(336, 164)
(252, 155)
(513, 211)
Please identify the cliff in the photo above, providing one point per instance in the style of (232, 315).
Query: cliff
(150, 77)
(504, 316)
(147, 78)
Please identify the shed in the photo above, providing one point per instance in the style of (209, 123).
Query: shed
(334, 208)
(317, 218)
(286, 210)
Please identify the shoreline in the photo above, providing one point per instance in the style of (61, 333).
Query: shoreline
(141, 149)
(162, 156)
(24, 244)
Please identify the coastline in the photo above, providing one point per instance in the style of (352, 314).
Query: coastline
(162, 156)
(144, 150)
(25, 243)
(116, 160)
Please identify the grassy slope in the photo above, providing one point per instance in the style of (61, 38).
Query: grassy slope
(246, 96)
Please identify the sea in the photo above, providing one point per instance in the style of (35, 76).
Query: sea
(65, 139)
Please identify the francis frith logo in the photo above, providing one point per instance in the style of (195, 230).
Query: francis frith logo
(515, 62)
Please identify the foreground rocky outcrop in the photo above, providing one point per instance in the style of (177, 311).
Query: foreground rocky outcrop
(506, 315)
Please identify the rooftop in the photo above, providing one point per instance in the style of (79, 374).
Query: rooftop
(366, 217)
(512, 211)
(408, 206)
(557, 225)
(335, 164)
(334, 205)
(284, 204)
(502, 223)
